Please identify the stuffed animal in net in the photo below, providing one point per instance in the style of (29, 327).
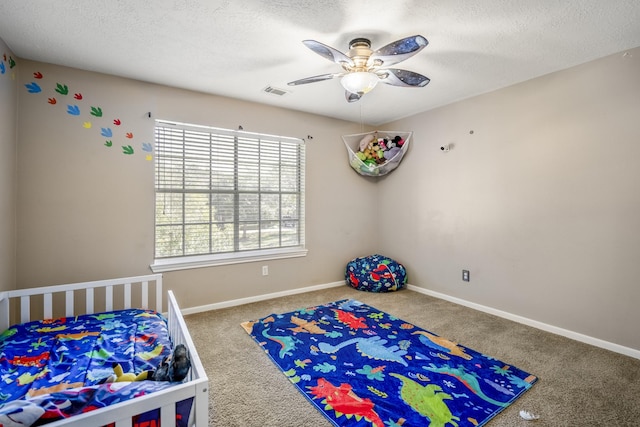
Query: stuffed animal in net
(174, 367)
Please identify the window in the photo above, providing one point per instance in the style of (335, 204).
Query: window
(225, 196)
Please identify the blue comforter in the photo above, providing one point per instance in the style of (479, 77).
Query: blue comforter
(68, 359)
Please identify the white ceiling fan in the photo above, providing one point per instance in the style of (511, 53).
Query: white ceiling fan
(364, 68)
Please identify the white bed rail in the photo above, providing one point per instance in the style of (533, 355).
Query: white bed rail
(195, 385)
(197, 375)
(71, 292)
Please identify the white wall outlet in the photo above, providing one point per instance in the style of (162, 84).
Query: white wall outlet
(265, 270)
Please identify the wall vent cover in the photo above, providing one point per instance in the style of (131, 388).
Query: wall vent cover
(275, 91)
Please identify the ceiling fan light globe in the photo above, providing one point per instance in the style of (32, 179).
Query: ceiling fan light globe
(360, 82)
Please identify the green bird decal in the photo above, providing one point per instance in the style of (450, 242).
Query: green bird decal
(62, 89)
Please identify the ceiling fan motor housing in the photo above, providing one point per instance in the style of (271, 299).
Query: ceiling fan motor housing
(359, 52)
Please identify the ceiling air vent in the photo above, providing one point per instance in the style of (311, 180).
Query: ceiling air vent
(275, 91)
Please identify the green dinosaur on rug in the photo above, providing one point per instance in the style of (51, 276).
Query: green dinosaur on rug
(427, 400)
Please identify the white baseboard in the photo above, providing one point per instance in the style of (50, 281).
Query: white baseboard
(263, 297)
(529, 322)
(534, 323)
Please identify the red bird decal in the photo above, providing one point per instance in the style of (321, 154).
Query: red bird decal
(52, 101)
(129, 135)
(117, 122)
(78, 96)
(37, 75)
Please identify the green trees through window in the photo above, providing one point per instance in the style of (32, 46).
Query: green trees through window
(223, 191)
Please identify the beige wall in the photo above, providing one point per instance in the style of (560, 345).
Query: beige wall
(541, 203)
(86, 211)
(8, 100)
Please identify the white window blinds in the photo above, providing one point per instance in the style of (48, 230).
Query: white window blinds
(221, 191)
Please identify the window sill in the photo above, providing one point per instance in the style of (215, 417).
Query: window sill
(201, 261)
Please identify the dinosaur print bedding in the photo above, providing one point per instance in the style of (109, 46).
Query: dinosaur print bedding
(360, 366)
(60, 365)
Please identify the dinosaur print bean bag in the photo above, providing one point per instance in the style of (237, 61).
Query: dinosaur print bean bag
(375, 273)
(68, 359)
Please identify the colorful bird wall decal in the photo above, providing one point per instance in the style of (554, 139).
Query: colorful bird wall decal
(76, 110)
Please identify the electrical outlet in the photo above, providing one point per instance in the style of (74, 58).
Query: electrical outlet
(265, 270)
(465, 275)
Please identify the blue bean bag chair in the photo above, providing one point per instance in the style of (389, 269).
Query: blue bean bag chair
(375, 273)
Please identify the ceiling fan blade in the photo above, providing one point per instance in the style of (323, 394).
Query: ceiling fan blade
(328, 52)
(351, 97)
(396, 77)
(313, 79)
(397, 51)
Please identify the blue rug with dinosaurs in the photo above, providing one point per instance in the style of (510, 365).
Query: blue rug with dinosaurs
(363, 367)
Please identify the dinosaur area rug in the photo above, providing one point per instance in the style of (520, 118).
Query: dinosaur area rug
(363, 367)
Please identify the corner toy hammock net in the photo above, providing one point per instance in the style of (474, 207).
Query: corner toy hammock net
(376, 153)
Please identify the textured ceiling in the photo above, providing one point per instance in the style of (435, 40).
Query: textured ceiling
(238, 48)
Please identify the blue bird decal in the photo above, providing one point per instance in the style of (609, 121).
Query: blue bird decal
(74, 110)
(33, 87)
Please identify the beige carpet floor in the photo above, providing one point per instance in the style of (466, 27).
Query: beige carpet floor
(579, 385)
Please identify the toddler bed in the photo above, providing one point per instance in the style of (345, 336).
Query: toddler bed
(54, 371)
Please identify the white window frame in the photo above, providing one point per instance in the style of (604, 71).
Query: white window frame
(181, 262)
